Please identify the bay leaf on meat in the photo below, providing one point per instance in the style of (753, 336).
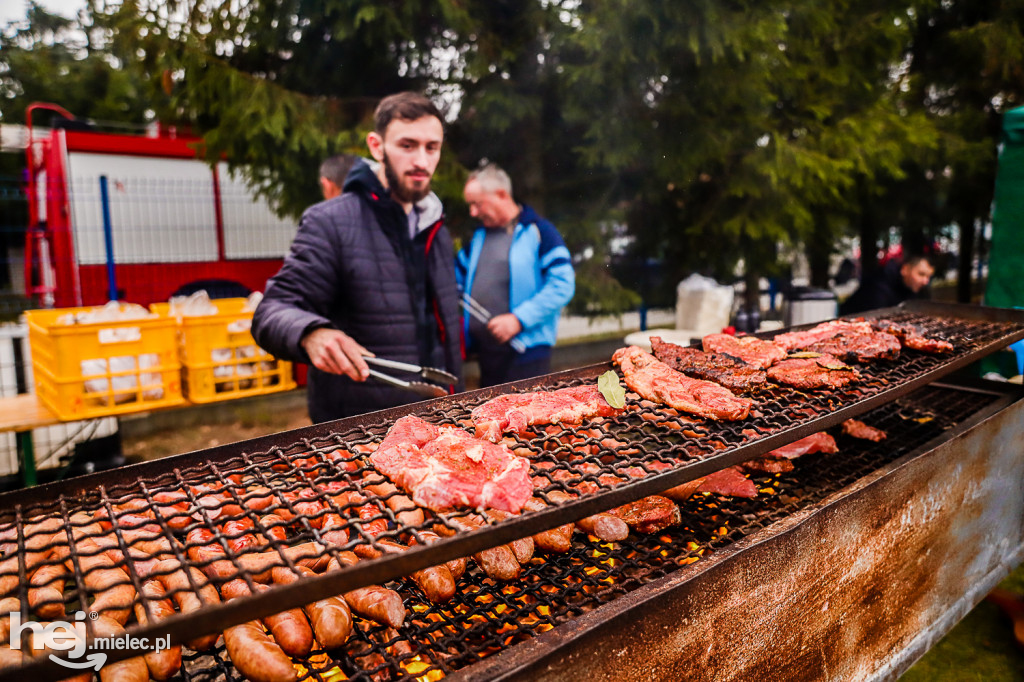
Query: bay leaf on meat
(609, 386)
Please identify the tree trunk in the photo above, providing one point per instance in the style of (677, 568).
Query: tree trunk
(868, 239)
(964, 271)
(752, 293)
(819, 251)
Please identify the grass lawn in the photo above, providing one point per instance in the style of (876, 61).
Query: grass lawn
(980, 648)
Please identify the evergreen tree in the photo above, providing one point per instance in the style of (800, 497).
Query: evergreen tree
(736, 127)
(49, 58)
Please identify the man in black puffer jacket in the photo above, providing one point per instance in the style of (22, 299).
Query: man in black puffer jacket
(370, 270)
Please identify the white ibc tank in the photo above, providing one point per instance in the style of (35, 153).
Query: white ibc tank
(703, 305)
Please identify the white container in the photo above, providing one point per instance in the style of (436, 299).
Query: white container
(806, 306)
(703, 305)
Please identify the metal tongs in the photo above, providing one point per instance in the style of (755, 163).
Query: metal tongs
(482, 315)
(418, 387)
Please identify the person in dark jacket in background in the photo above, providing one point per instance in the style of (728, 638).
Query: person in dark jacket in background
(516, 267)
(891, 286)
(370, 271)
(333, 172)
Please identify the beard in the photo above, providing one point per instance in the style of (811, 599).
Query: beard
(400, 191)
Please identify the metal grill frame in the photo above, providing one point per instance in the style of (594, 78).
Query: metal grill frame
(215, 618)
(596, 643)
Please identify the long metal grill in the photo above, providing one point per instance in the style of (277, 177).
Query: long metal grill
(207, 511)
(485, 617)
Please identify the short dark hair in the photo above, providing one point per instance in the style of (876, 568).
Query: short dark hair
(335, 168)
(407, 106)
(915, 258)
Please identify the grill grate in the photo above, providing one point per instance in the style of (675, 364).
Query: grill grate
(208, 511)
(486, 617)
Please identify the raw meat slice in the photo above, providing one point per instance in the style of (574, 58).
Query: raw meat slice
(760, 353)
(816, 442)
(791, 341)
(859, 346)
(723, 369)
(658, 382)
(858, 429)
(444, 467)
(729, 481)
(516, 412)
(820, 371)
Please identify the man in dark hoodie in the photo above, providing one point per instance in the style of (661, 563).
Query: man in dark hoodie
(894, 284)
(370, 272)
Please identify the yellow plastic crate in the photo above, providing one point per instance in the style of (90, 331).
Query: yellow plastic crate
(83, 371)
(219, 358)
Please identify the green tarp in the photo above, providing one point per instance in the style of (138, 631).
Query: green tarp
(1005, 287)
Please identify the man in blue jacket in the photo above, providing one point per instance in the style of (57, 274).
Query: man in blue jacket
(518, 269)
(370, 270)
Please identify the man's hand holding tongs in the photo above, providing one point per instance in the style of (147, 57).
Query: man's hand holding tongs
(504, 327)
(334, 351)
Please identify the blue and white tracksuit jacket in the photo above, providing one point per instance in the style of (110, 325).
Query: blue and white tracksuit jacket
(541, 277)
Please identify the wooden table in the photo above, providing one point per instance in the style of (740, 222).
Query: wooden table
(21, 414)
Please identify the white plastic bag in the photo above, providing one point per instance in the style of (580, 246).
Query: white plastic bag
(124, 388)
(197, 304)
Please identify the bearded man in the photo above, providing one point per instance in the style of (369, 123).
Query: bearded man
(893, 284)
(370, 273)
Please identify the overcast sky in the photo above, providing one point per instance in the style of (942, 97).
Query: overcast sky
(12, 10)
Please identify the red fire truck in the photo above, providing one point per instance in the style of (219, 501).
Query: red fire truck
(140, 218)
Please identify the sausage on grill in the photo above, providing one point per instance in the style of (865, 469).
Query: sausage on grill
(130, 669)
(173, 508)
(457, 567)
(40, 536)
(557, 540)
(330, 617)
(162, 664)
(46, 591)
(602, 525)
(204, 550)
(111, 585)
(256, 655)
(273, 527)
(178, 587)
(377, 603)
(406, 511)
(290, 628)
(436, 582)
(8, 605)
(334, 529)
(497, 562)
(238, 538)
(521, 548)
(10, 658)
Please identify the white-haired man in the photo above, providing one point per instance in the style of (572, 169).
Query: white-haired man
(516, 267)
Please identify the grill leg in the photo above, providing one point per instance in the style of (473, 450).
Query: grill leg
(26, 458)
